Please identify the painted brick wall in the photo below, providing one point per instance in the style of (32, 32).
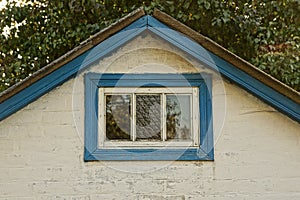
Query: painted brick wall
(257, 149)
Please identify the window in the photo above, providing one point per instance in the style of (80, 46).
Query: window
(148, 117)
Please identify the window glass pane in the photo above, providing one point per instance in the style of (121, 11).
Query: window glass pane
(178, 117)
(148, 117)
(118, 113)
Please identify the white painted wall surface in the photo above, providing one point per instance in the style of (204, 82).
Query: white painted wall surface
(257, 149)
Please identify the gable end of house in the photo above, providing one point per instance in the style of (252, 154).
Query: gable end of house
(189, 41)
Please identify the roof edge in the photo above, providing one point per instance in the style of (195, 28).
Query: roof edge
(229, 56)
(72, 54)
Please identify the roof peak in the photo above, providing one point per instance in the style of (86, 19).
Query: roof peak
(283, 97)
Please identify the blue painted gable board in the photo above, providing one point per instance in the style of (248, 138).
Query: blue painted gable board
(65, 72)
(44, 85)
(257, 88)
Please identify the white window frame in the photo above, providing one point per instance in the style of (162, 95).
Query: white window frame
(133, 91)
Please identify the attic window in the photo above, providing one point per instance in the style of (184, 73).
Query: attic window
(148, 117)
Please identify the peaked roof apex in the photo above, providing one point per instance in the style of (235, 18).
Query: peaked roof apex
(276, 93)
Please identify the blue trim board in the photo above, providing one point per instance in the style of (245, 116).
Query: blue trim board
(62, 74)
(91, 116)
(203, 81)
(257, 88)
(265, 93)
(205, 149)
(148, 154)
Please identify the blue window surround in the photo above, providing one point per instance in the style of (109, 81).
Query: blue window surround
(93, 81)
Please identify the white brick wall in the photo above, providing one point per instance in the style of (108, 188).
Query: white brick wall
(257, 150)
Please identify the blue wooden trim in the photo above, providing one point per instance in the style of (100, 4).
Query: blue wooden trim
(140, 23)
(209, 143)
(94, 80)
(257, 88)
(65, 72)
(148, 80)
(110, 45)
(265, 93)
(148, 154)
(90, 117)
(41, 87)
(152, 22)
(205, 105)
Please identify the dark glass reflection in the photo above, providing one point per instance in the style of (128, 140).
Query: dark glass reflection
(118, 113)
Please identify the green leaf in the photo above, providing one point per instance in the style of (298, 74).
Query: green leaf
(206, 5)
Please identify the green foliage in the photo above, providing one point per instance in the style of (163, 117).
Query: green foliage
(265, 33)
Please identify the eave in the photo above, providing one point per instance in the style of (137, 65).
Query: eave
(214, 56)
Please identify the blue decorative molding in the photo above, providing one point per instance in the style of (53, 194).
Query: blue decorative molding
(69, 70)
(255, 87)
(204, 151)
